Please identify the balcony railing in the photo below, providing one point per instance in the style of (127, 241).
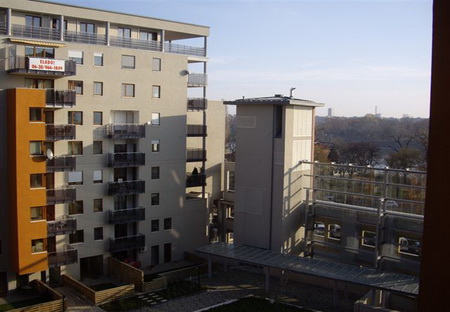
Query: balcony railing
(41, 66)
(193, 180)
(196, 130)
(3, 28)
(60, 98)
(197, 80)
(61, 195)
(61, 226)
(61, 163)
(151, 45)
(118, 160)
(126, 215)
(62, 256)
(183, 49)
(126, 187)
(84, 37)
(197, 104)
(60, 132)
(127, 242)
(35, 32)
(125, 131)
(195, 154)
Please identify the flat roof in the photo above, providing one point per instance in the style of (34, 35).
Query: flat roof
(396, 282)
(277, 99)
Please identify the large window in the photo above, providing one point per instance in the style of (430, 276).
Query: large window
(38, 245)
(87, 27)
(41, 52)
(36, 148)
(78, 237)
(147, 35)
(128, 61)
(77, 86)
(124, 32)
(98, 59)
(76, 56)
(33, 21)
(75, 147)
(75, 177)
(76, 207)
(75, 118)
(127, 90)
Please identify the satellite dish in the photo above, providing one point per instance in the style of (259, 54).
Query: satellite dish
(49, 154)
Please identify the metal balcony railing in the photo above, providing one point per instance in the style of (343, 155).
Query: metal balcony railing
(61, 163)
(84, 37)
(184, 49)
(3, 28)
(126, 187)
(60, 98)
(197, 80)
(62, 225)
(60, 132)
(151, 45)
(193, 180)
(127, 242)
(125, 131)
(195, 154)
(196, 131)
(197, 104)
(26, 65)
(118, 160)
(61, 195)
(126, 215)
(62, 256)
(35, 32)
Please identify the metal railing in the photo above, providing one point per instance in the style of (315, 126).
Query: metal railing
(62, 163)
(35, 32)
(118, 160)
(195, 154)
(184, 49)
(60, 132)
(3, 28)
(62, 225)
(127, 242)
(126, 215)
(61, 195)
(21, 65)
(62, 256)
(151, 45)
(197, 104)
(196, 130)
(197, 80)
(84, 37)
(60, 98)
(125, 131)
(126, 187)
(193, 180)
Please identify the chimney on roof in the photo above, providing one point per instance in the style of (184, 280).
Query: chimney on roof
(291, 92)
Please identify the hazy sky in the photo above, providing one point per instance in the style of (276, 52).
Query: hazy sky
(350, 55)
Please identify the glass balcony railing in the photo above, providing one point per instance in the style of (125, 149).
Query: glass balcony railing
(126, 243)
(197, 104)
(61, 163)
(125, 131)
(60, 132)
(60, 98)
(41, 66)
(61, 226)
(195, 154)
(126, 215)
(126, 187)
(61, 195)
(62, 256)
(197, 80)
(196, 131)
(118, 160)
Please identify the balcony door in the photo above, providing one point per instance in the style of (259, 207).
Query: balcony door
(125, 117)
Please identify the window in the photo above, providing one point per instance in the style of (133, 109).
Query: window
(38, 245)
(408, 246)
(75, 118)
(98, 118)
(156, 64)
(319, 229)
(98, 204)
(97, 147)
(155, 119)
(76, 56)
(37, 213)
(33, 21)
(78, 237)
(36, 148)
(229, 212)
(368, 239)
(128, 61)
(87, 27)
(155, 225)
(98, 88)
(156, 92)
(155, 173)
(75, 177)
(155, 199)
(147, 35)
(77, 86)
(76, 207)
(36, 180)
(230, 180)
(98, 59)
(98, 233)
(155, 146)
(98, 176)
(75, 147)
(124, 32)
(167, 223)
(127, 90)
(36, 114)
(39, 83)
(334, 231)
(167, 252)
(41, 52)
(230, 237)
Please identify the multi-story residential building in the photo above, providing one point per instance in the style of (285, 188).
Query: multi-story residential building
(96, 109)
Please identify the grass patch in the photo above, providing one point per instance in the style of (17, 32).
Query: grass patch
(256, 304)
(24, 303)
(103, 286)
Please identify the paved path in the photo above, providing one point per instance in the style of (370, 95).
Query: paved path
(75, 301)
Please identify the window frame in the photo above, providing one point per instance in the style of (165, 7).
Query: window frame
(74, 55)
(155, 146)
(167, 224)
(156, 64)
(95, 116)
(95, 145)
(40, 181)
(154, 199)
(98, 231)
(38, 147)
(156, 91)
(75, 118)
(77, 179)
(77, 237)
(98, 56)
(98, 173)
(77, 86)
(37, 116)
(76, 208)
(36, 241)
(154, 225)
(95, 206)
(156, 119)
(98, 92)
(42, 216)
(155, 173)
(71, 149)
(125, 90)
(128, 61)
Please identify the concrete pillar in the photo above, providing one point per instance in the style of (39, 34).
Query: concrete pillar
(8, 22)
(108, 33)
(209, 266)
(61, 28)
(163, 37)
(267, 281)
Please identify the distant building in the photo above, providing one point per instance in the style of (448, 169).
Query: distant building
(330, 112)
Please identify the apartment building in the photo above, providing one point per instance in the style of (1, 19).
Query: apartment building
(104, 115)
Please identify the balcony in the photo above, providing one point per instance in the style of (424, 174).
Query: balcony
(119, 160)
(84, 37)
(34, 66)
(35, 32)
(195, 154)
(125, 131)
(62, 163)
(60, 132)
(126, 187)
(60, 98)
(193, 180)
(184, 49)
(196, 131)
(197, 104)
(126, 215)
(2, 28)
(140, 44)
(61, 195)
(62, 256)
(127, 242)
(61, 226)
(197, 80)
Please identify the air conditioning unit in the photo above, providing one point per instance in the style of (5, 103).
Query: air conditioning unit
(143, 249)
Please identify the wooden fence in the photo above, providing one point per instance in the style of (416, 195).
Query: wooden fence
(55, 305)
(126, 273)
